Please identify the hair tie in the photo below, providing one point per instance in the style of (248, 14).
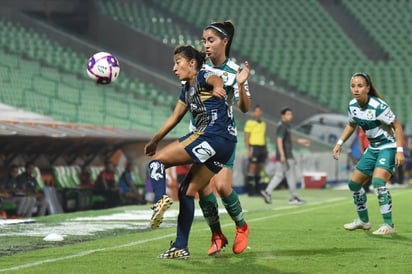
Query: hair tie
(218, 30)
(364, 75)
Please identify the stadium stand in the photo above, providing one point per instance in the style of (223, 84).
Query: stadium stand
(285, 38)
(42, 76)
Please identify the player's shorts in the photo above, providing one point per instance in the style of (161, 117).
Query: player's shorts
(373, 158)
(259, 154)
(230, 163)
(211, 150)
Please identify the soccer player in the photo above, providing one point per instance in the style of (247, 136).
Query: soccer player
(384, 154)
(210, 144)
(217, 39)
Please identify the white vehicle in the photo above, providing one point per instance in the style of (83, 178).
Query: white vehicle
(326, 127)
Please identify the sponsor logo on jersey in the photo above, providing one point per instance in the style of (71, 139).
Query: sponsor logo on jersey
(203, 151)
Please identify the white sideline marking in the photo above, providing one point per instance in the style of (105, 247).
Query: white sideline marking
(85, 253)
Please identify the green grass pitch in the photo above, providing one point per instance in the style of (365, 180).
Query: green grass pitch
(283, 239)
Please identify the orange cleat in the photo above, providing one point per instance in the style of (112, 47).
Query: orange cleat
(241, 238)
(218, 242)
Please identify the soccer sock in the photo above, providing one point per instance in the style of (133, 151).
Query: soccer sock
(384, 198)
(184, 220)
(209, 207)
(233, 207)
(249, 184)
(157, 175)
(257, 183)
(360, 199)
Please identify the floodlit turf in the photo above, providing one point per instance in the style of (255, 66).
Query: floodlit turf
(283, 239)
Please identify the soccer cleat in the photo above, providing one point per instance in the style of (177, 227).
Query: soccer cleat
(296, 201)
(175, 253)
(241, 239)
(266, 196)
(384, 230)
(159, 210)
(218, 242)
(358, 224)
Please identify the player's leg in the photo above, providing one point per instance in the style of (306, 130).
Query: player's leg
(382, 174)
(197, 178)
(208, 204)
(231, 202)
(361, 174)
(171, 155)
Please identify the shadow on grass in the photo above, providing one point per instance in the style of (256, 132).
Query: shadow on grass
(314, 251)
(395, 238)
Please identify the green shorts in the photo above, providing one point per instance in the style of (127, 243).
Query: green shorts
(229, 164)
(373, 158)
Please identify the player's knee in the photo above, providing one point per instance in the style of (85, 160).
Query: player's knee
(354, 186)
(378, 182)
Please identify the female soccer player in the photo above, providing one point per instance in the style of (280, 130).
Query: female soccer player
(217, 39)
(209, 145)
(385, 151)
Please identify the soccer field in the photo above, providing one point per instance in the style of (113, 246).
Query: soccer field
(283, 239)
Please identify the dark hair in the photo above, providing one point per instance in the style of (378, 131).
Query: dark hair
(190, 53)
(284, 110)
(224, 29)
(28, 164)
(373, 91)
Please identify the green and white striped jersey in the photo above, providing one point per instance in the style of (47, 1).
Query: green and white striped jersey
(227, 71)
(375, 119)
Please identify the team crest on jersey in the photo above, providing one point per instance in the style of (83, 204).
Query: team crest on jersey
(203, 151)
(369, 114)
(224, 76)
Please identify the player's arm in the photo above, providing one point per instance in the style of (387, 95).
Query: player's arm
(241, 79)
(400, 157)
(177, 115)
(217, 83)
(347, 132)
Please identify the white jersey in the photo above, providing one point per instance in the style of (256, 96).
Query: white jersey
(375, 119)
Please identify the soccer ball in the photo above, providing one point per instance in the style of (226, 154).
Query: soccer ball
(103, 68)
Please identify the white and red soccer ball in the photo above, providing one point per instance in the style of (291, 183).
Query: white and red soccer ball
(103, 68)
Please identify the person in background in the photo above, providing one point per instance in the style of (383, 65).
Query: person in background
(29, 184)
(368, 110)
(255, 141)
(128, 187)
(25, 203)
(86, 181)
(286, 163)
(106, 185)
